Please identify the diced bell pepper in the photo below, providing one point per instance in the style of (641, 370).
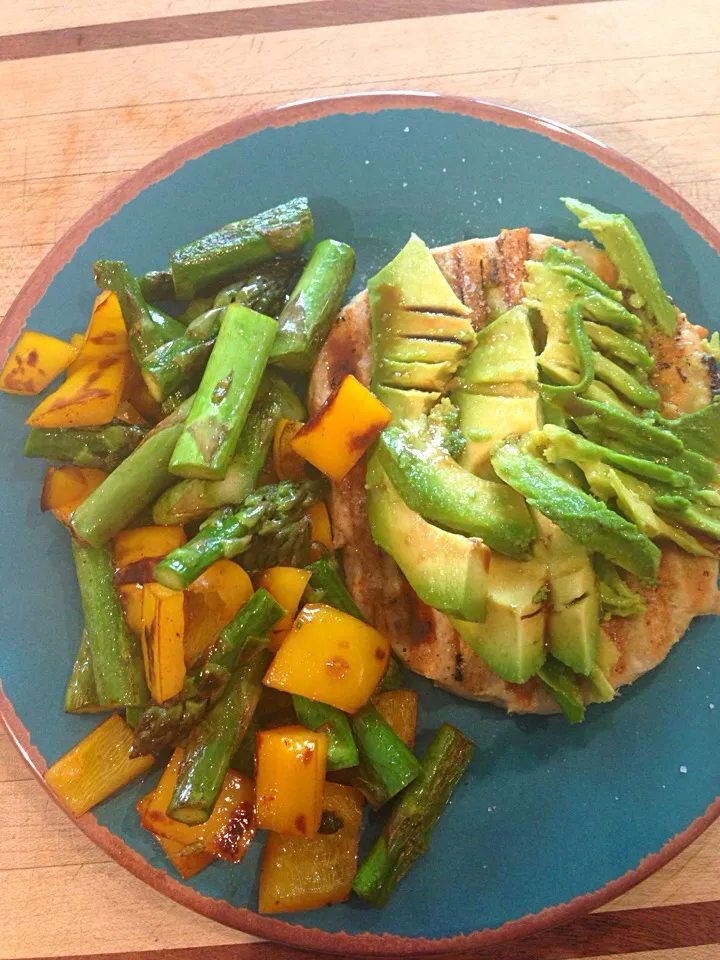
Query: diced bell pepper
(399, 708)
(137, 550)
(321, 530)
(88, 398)
(287, 464)
(65, 488)
(163, 625)
(211, 601)
(287, 586)
(289, 780)
(34, 362)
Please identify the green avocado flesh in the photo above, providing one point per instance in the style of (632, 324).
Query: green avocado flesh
(447, 571)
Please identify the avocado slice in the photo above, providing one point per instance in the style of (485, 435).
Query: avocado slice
(420, 330)
(579, 515)
(498, 416)
(447, 571)
(407, 404)
(564, 688)
(698, 431)
(574, 615)
(511, 639)
(628, 252)
(435, 486)
(504, 353)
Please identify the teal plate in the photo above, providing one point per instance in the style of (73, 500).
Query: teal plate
(550, 820)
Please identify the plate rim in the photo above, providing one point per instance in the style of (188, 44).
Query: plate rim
(285, 115)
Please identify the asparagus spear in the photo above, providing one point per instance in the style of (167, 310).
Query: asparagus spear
(101, 447)
(213, 742)
(407, 833)
(219, 255)
(313, 305)
(196, 308)
(195, 499)
(226, 392)
(115, 653)
(157, 285)
(147, 328)
(264, 289)
(133, 485)
(390, 764)
(263, 512)
(166, 369)
(342, 751)
(163, 725)
(289, 546)
(81, 692)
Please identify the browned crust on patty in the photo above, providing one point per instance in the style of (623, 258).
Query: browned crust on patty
(486, 275)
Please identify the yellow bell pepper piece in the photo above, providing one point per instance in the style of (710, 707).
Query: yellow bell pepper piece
(131, 600)
(331, 657)
(96, 767)
(211, 601)
(163, 625)
(106, 334)
(290, 764)
(231, 827)
(65, 488)
(287, 464)
(34, 362)
(137, 550)
(399, 708)
(286, 585)
(187, 860)
(321, 529)
(342, 430)
(88, 398)
(300, 874)
(137, 393)
(155, 818)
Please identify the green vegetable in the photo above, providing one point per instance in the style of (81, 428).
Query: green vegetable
(195, 499)
(626, 249)
(564, 261)
(101, 447)
(264, 512)
(407, 832)
(178, 365)
(133, 485)
(579, 515)
(164, 725)
(390, 763)
(288, 546)
(115, 653)
(639, 394)
(81, 692)
(218, 256)
(616, 597)
(147, 328)
(214, 740)
(560, 682)
(698, 431)
(157, 285)
(226, 392)
(342, 752)
(585, 358)
(394, 678)
(313, 305)
(623, 348)
(264, 289)
(327, 587)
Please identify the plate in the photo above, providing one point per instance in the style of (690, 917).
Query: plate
(550, 820)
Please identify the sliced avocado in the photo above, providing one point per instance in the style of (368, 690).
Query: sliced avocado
(579, 515)
(498, 416)
(574, 617)
(699, 431)
(626, 249)
(415, 375)
(435, 486)
(511, 639)
(409, 349)
(618, 345)
(447, 571)
(421, 283)
(504, 353)
(616, 597)
(418, 323)
(407, 404)
(564, 688)
(572, 265)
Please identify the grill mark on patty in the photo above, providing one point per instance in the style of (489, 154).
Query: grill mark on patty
(514, 247)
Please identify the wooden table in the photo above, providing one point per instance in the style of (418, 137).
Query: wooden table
(92, 90)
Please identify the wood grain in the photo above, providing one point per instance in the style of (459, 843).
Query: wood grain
(643, 75)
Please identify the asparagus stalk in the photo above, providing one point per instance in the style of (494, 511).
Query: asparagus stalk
(196, 308)
(163, 725)
(115, 652)
(226, 392)
(157, 285)
(213, 742)
(290, 546)
(407, 833)
(179, 362)
(195, 499)
(102, 447)
(390, 764)
(133, 485)
(243, 760)
(219, 255)
(313, 305)
(147, 328)
(264, 289)
(342, 751)
(263, 512)
(326, 586)
(81, 692)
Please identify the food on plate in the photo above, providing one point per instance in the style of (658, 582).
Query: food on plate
(511, 442)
